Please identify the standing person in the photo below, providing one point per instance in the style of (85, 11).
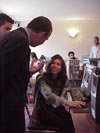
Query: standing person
(71, 55)
(74, 70)
(95, 52)
(6, 23)
(49, 107)
(43, 59)
(95, 49)
(35, 64)
(14, 71)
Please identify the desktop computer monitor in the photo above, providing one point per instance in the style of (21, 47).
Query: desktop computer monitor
(95, 61)
(85, 59)
(86, 80)
(95, 97)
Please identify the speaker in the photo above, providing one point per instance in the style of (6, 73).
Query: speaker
(95, 97)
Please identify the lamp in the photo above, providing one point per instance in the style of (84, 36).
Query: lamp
(73, 32)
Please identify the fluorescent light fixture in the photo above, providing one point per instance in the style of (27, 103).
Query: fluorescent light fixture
(73, 32)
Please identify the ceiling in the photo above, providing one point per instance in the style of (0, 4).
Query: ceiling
(56, 10)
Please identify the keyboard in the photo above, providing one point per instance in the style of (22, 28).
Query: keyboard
(75, 94)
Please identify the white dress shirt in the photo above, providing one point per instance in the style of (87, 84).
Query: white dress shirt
(95, 51)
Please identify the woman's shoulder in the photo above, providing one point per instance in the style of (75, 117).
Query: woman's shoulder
(40, 76)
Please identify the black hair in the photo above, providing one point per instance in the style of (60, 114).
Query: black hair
(33, 55)
(5, 18)
(96, 37)
(41, 24)
(42, 57)
(71, 52)
(62, 75)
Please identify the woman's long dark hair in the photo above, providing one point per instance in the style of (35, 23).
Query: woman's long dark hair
(47, 76)
(62, 75)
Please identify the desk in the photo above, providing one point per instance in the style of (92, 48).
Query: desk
(84, 123)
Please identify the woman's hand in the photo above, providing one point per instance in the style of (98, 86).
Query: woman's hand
(77, 104)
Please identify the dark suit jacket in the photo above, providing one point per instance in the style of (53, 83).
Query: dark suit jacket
(14, 67)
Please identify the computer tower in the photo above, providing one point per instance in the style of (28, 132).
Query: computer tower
(95, 97)
(73, 69)
(87, 78)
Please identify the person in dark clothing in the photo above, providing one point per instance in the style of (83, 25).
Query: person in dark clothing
(71, 55)
(14, 71)
(74, 68)
(6, 23)
(49, 106)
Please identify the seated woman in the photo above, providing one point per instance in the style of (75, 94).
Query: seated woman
(49, 107)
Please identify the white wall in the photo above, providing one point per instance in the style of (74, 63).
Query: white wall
(61, 43)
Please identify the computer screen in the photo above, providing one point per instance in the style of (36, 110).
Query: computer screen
(95, 61)
(85, 59)
(95, 80)
(86, 80)
(95, 96)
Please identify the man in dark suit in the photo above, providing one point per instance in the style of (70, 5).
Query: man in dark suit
(14, 71)
(6, 23)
